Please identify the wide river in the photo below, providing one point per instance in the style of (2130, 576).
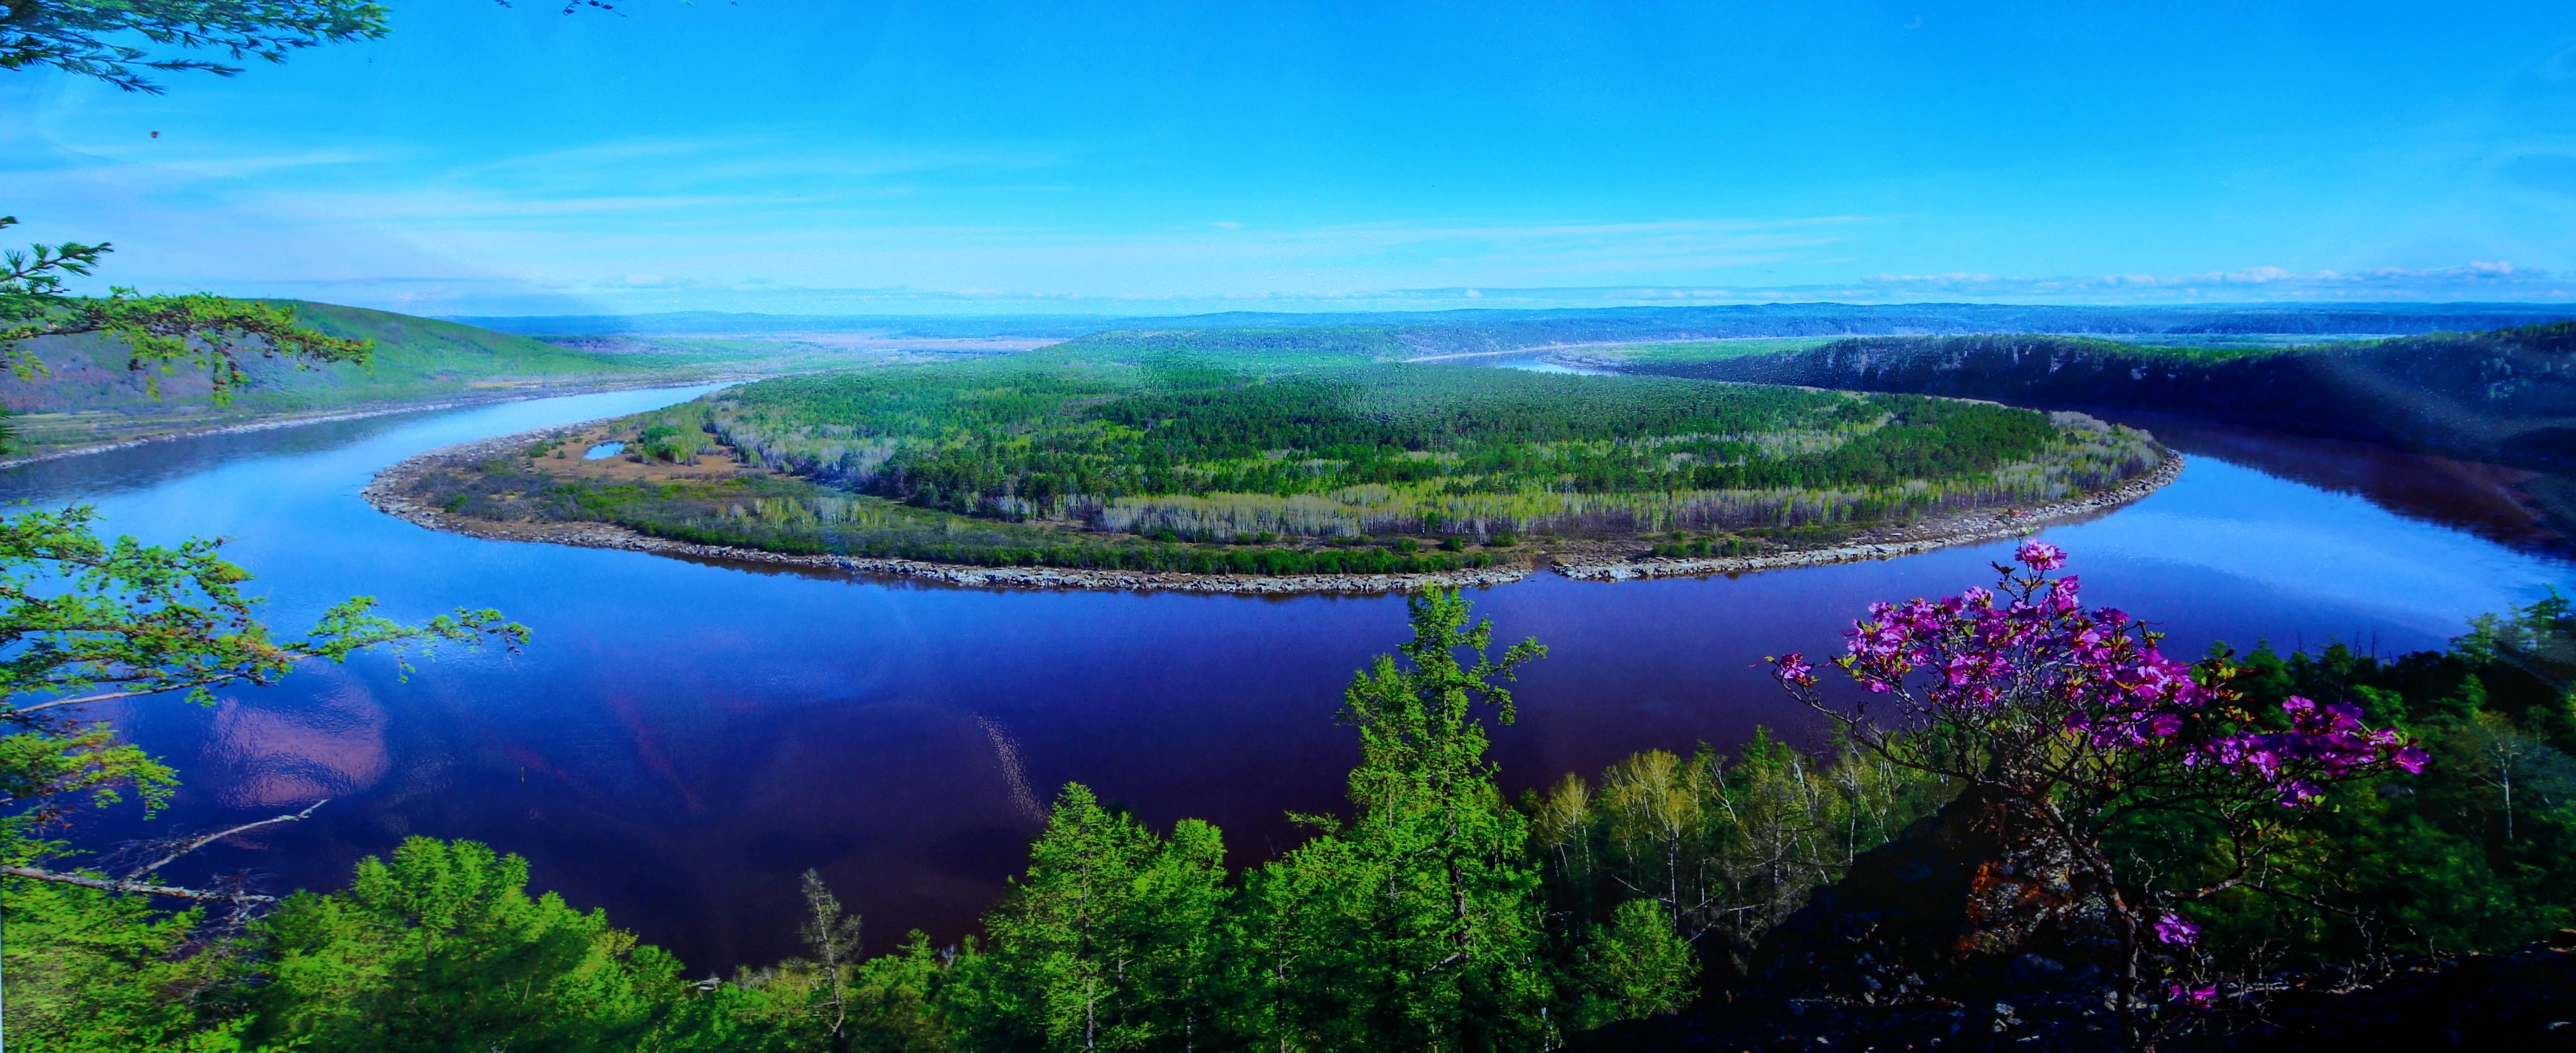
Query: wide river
(682, 739)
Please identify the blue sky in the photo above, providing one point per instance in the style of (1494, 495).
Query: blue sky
(898, 156)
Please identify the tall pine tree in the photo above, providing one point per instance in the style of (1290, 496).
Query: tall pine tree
(1419, 925)
(1107, 942)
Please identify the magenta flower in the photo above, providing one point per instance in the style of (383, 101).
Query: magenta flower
(2027, 692)
(2040, 555)
(1793, 668)
(2174, 930)
(2201, 997)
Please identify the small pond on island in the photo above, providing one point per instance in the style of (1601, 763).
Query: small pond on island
(682, 738)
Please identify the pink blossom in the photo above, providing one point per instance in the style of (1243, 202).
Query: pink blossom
(1794, 668)
(2031, 651)
(2040, 555)
(2201, 997)
(2174, 930)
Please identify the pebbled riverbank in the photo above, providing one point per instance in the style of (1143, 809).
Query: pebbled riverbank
(386, 493)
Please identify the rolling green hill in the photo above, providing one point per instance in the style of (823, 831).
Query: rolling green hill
(87, 395)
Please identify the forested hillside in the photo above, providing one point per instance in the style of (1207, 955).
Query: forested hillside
(87, 392)
(2508, 394)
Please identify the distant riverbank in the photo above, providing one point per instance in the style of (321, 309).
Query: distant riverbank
(297, 419)
(1581, 560)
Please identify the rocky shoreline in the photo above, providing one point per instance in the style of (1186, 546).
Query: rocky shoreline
(385, 492)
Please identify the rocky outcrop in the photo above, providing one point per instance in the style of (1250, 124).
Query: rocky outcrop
(2525, 1000)
(1958, 905)
(2519, 1001)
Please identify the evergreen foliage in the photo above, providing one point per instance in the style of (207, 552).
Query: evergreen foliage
(442, 948)
(1417, 925)
(91, 972)
(1109, 941)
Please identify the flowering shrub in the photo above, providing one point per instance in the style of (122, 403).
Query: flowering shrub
(2076, 721)
(2026, 689)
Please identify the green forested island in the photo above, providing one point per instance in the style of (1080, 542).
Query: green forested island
(1168, 462)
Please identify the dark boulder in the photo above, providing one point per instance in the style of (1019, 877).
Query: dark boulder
(1958, 905)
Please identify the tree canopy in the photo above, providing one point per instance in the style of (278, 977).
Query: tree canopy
(124, 42)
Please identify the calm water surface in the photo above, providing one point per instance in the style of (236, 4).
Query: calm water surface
(682, 739)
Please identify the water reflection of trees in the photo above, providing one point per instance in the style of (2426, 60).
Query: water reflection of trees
(2525, 510)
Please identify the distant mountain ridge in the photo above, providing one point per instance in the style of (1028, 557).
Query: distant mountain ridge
(1481, 330)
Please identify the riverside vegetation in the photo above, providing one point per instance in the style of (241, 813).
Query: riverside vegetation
(1176, 463)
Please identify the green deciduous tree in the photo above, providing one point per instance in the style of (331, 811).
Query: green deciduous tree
(121, 42)
(1726, 846)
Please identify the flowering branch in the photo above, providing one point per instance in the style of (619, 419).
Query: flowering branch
(2077, 721)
